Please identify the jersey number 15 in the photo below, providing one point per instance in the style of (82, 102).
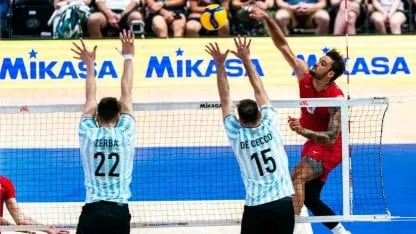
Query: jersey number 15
(265, 161)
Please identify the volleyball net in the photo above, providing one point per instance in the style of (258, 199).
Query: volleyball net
(185, 173)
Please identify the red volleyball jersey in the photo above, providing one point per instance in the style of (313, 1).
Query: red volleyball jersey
(317, 118)
(6, 192)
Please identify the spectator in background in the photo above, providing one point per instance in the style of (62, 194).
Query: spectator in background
(69, 18)
(8, 197)
(302, 13)
(242, 23)
(196, 7)
(353, 13)
(113, 16)
(388, 14)
(4, 10)
(414, 12)
(58, 4)
(165, 15)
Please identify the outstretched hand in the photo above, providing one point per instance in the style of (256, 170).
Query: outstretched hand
(243, 48)
(215, 52)
(127, 42)
(83, 54)
(256, 12)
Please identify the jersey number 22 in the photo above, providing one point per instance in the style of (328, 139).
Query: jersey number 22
(103, 157)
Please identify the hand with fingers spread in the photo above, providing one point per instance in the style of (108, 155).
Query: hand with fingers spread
(83, 54)
(243, 48)
(127, 42)
(215, 52)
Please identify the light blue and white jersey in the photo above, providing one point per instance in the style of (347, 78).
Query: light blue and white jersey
(262, 158)
(107, 157)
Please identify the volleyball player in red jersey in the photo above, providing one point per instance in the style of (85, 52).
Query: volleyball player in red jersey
(6, 192)
(321, 126)
(8, 197)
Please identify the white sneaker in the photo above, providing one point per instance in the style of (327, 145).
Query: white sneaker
(303, 228)
(345, 232)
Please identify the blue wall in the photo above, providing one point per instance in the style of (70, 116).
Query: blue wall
(158, 176)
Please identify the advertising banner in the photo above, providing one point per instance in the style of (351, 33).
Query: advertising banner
(180, 69)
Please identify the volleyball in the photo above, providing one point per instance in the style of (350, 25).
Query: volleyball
(214, 17)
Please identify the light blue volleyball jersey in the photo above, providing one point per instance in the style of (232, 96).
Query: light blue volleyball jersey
(262, 158)
(107, 158)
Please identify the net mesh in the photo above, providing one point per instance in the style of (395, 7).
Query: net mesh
(184, 169)
(365, 136)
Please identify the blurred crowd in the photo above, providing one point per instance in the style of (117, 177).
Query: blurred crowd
(180, 18)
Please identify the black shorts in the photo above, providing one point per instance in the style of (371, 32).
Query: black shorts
(277, 217)
(104, 218)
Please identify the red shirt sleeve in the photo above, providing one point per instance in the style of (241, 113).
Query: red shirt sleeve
(8, 188)
(336, 91)
(305, 88)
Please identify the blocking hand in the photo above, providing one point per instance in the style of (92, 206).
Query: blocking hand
(83, 54)
(243, 48)
(127, 42)
(215, 52)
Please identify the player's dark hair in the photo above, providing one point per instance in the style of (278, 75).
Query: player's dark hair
(338, 66)
(248, 111)
(108, 109)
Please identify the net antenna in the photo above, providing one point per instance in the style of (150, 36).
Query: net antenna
(347, 58)
(350, 186)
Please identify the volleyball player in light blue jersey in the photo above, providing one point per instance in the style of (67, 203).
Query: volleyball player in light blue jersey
(107, 137)
(258, 147)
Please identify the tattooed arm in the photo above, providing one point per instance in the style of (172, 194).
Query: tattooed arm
(327, 137)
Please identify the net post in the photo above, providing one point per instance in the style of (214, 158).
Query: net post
(346, 205)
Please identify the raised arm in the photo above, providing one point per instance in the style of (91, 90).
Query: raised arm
(127, 51)
(243, 53)
(88, 57)
(279, 41)
(222, 82)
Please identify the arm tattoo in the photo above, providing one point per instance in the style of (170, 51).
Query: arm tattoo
(334, 128)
